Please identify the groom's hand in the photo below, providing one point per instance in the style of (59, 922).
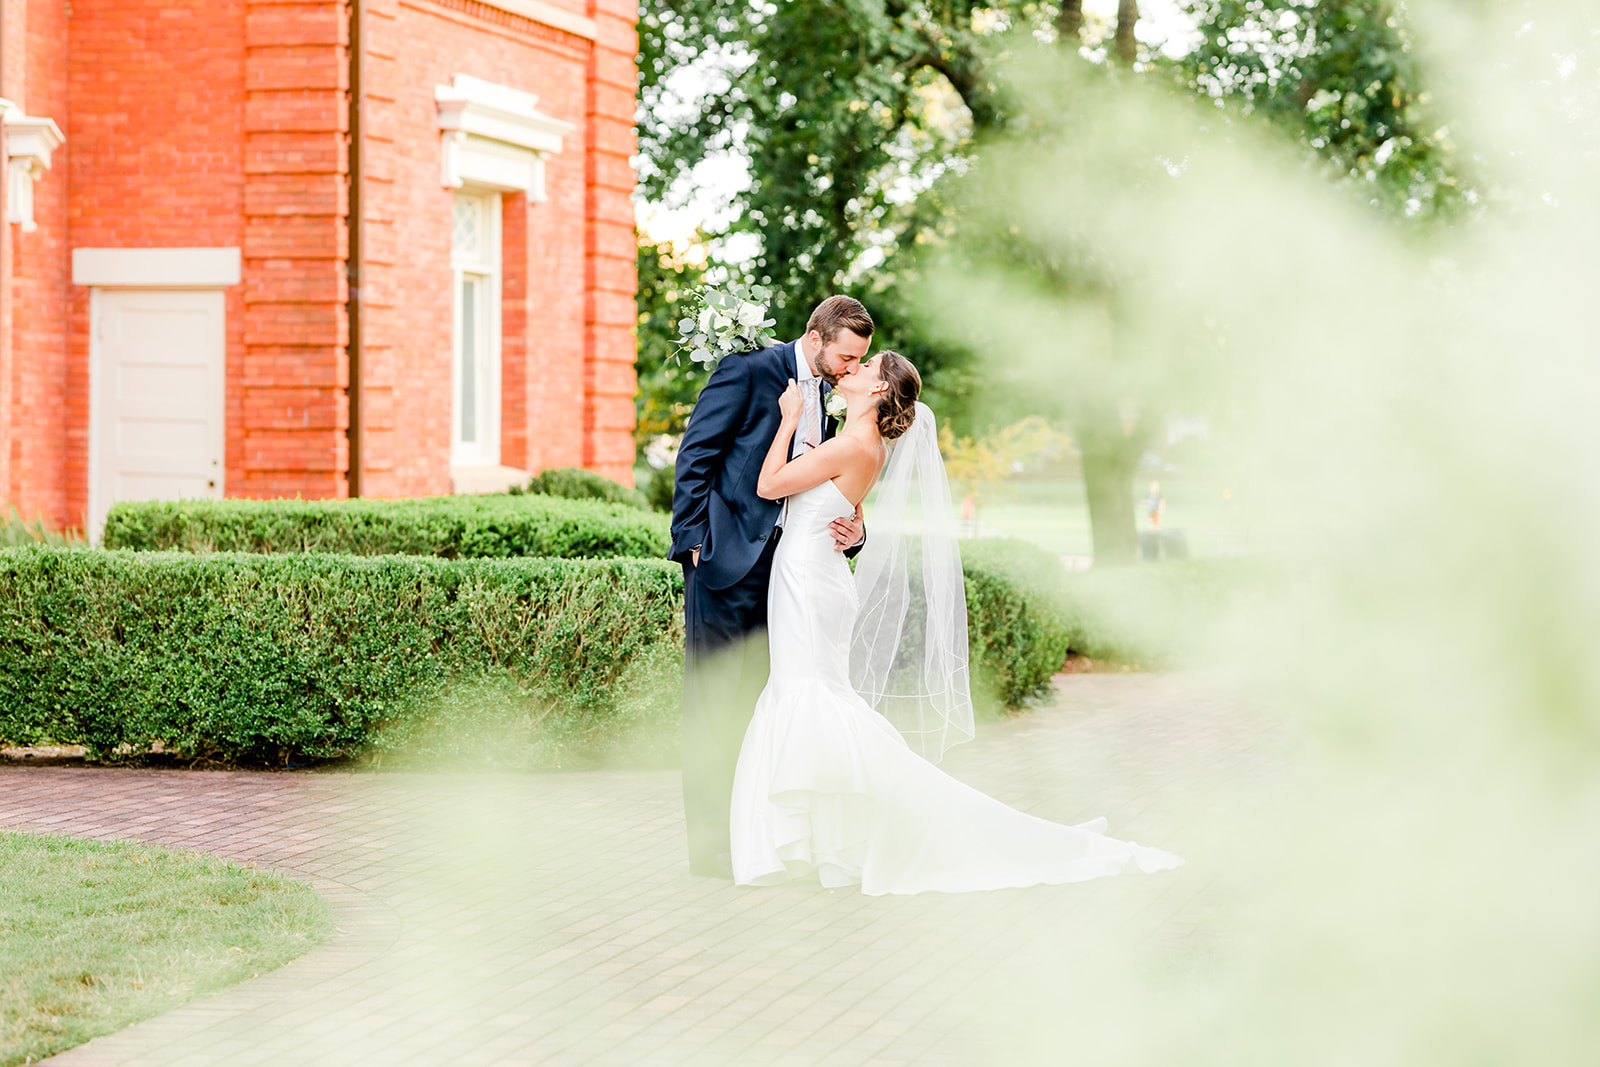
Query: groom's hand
(847, 533)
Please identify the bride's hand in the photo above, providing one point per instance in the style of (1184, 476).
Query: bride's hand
(792, 403)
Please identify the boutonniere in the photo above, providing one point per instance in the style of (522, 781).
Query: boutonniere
(835, 406)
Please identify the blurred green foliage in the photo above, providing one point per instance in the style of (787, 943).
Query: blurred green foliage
(14, 530)
(1344, 79)
(451, 527)
(1156, 616)
(667, 387)
(658, 489)
(575, 483)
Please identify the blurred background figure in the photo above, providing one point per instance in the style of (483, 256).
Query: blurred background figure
(1154, 506)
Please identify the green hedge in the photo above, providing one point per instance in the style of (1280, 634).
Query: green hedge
(451, 527)
(281, 659)
(524, 662)
(575, 483)
(1018, 637)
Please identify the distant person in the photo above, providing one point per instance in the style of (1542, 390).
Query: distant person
(1155, 505)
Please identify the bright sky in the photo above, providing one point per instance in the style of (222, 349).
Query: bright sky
(1162, 24)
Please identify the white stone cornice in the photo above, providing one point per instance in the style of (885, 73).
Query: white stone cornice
(30, 139)
(550, 15)
(495, 136)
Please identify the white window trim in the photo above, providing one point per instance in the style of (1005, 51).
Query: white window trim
(495, 137)
(486, 451)
(156, 268)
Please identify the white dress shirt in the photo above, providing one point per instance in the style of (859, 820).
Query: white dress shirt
(810, 434)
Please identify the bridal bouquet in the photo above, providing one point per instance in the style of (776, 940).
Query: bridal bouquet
(722, 321)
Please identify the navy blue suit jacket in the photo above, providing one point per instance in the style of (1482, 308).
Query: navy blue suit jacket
(714, 502)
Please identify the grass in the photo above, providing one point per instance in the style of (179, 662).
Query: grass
(1053, 513)
(95, 936)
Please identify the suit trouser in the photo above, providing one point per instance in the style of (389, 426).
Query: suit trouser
(725, 669)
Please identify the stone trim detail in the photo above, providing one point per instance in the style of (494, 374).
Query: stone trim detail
(156, 268)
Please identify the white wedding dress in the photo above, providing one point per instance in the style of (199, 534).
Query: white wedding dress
(826, 787)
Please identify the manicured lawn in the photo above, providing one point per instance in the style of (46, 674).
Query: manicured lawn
(1054, 514)
(96, 936)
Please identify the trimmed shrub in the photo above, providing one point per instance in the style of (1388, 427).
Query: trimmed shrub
(1017, 636)
(658, 490)
(280, 659)
(450, 527)
(525, 662)
(575, 483)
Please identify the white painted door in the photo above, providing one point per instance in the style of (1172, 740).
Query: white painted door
(157, 409)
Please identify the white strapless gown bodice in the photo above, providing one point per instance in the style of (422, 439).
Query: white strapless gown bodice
(826, 787)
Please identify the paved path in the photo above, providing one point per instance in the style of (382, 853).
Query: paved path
(550, 919)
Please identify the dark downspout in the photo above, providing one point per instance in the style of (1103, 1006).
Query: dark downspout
(354, 260)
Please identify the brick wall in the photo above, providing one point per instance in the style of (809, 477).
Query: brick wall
(156, 147)
(41, 407)
(296, 170)
(10, 64)
(610, 273)
(412, 48)
(224, 124)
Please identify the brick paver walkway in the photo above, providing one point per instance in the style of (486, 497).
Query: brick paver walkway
(550, 919)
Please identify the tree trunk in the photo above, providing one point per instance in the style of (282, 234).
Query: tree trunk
(1127, 46)
(1108, 482)
(1069, 20)
(1111, 442)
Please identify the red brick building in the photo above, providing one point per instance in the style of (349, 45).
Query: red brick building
(263, 248)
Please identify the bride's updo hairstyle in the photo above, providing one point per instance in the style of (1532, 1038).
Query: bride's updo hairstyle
(897, 409)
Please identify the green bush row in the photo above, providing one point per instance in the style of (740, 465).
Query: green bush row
(451, 527)
(281, 659)
(238, 657)
(575, 483)
(1016, 633)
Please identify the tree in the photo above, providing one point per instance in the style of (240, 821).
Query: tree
(1343, 78)
(850, 115)
(667, 387)
(858, 121)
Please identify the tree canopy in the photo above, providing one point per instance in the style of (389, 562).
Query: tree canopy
(858, 121)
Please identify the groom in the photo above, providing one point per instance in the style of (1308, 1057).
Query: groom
(724, 535)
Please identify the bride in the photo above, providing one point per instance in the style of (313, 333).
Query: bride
(836, 776)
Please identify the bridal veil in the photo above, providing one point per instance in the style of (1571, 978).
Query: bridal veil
(908, 654)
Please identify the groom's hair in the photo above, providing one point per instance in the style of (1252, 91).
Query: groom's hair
(839, 313)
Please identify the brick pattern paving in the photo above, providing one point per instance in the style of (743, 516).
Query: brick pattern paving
(550, 919)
